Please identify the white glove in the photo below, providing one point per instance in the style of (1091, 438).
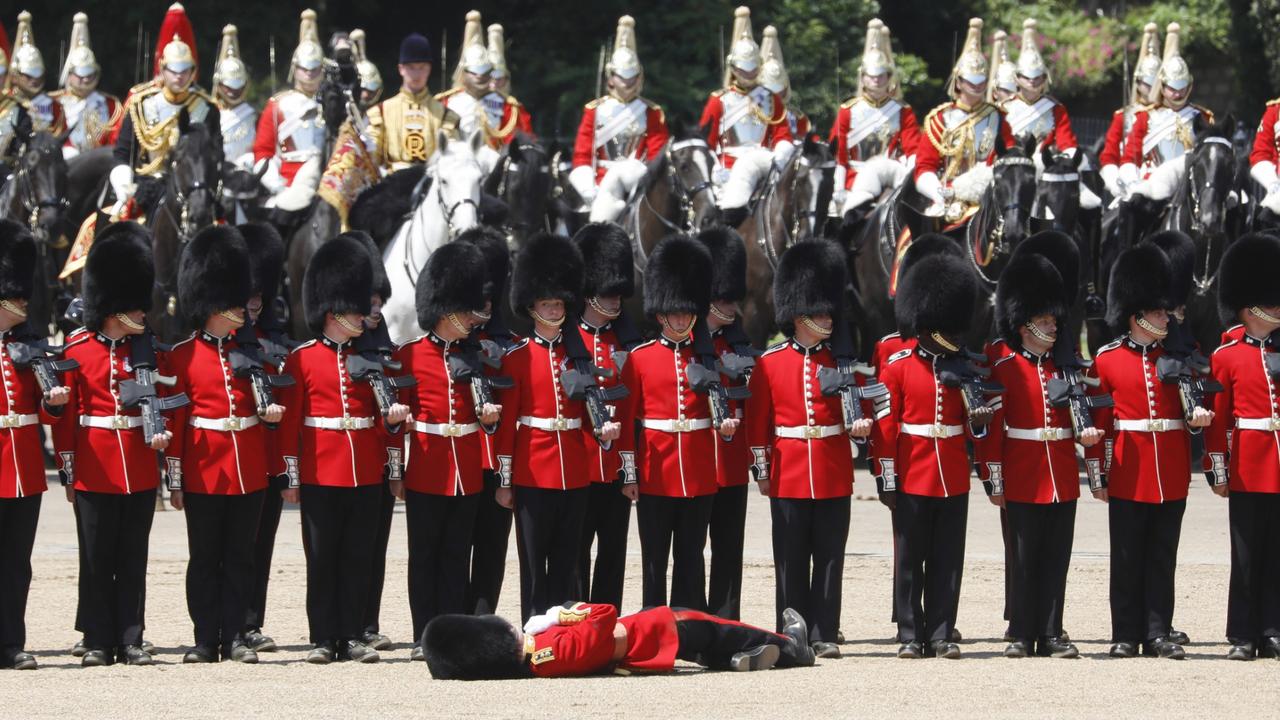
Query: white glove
(542, 623)
(782, 153)
(930, 186)
(1110, 173)
(583, 180)
(838, 191)
(121, 180)
(272, 180)
(244, 162)
(1127, 176)
(1265, 173)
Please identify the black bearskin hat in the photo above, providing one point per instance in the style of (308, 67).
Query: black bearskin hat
(452, 282)
(1181, 250)
(497, 259)
(1141, 279)
(728, 262)
(17, 261)
(676, 279)
(926, 245)
(119, 274)
(1060, 249)
(810, 280)
(1029, 286)
(470, 647)
(337, 281)
(213, 274)
(381, 283)
(548, 267)
(606, 258)
(937, 293)
(266, 259)
(1246, 277)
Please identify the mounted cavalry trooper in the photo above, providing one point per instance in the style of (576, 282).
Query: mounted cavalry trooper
(1004, 73)
(370, 77)
(238, 119)
(1144, 78)
(774, 78)
(480, 109)
(291, 131)
(1154, 159)
(149, 127)
(954, 158)
(875, 133)
(619, 133)
(746, 125)
(27, 80)
(402, 130)
(89, 112)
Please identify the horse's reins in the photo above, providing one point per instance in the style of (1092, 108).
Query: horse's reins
(995, 238)
(1210, 275)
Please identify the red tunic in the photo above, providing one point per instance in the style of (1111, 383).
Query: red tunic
(928, 159)
(670, 464)
(582, 644)
(551, 459)
(1113, 145)
(267, 144)
(885, 348)
(1252, 455)
(488, 445)
(214, 462)
(901, 143)
(1060, 137)
(22, 468)
(1033, 471)
(324, 391)
(602, 465)
(713, 112)
(515, 119)
(655, 137)
(440, 464)
(932, 466)
(1133, 145)
(1143, 466)
(785, 393)
(103, 460)
(733, 457)
(1265, 141)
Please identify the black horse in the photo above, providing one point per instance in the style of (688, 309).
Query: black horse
(35, 195)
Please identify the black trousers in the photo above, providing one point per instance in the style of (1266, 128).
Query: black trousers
(1253, 601)
(264, 546)
(378, 564)
(439, 528)
(607, 521)
(712, 641)
(929, 533)
(338, 526)
(808, 557)
(1008, 561)
(489, 541)
(220, 537)
(1039, 545)
(18, 520)
(674, 527)
(548, 531)
(1144, 556)
(727, 528)
(82, 575)
(116, 530)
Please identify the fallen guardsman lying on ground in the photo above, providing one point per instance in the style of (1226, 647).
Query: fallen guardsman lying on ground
(584, 639)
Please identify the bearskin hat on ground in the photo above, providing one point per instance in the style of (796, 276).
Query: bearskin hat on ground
(213, 274)
(119, 273)
(1141, 279)
(677, 277)
(469, 647)
(548, 267)
(452, 282)
(339, 280)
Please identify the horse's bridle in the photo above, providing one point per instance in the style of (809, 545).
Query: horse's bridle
(1205, 281)
(32, 203)
(996, 236)
(449, 210)
(687, 194)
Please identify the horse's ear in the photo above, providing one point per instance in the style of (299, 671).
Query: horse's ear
(1077, 158)
(1029, 146)
(1001, 150)
(477, 142)
(1228, 124)
(811, 145)
(1046, 156)
(184, 121)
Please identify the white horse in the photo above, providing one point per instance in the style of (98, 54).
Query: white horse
(450, 206)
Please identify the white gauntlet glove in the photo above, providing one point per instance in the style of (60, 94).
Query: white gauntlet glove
(121, 180)
(583, 180)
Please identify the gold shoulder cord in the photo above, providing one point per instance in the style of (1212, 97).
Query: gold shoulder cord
(157, 139)
(955, 144)
(502, 133)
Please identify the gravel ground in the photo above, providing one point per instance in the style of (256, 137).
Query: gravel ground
(867, 680)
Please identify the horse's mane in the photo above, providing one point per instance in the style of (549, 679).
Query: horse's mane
(380, 209)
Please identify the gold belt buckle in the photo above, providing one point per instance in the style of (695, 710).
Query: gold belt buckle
(1045, 434)
(682, 426)
(812, 432)
(348, 423)
(232, 424)
(560, 424)
(1158, 425)
(119, 422)
(939, 431)
(1274, 423)
(452, 430)
(9, 421)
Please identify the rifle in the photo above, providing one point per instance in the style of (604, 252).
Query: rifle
(248, 361)
(467, 366)
(372, 357)
(842, 379)
(1071, 389)
(141, 391)
(37, 354)
(1182, 365)
(704, 377)
(961, 370)
(579, 382)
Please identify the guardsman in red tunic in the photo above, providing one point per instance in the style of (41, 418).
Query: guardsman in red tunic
(919, 446)
(608, 335)
(542, 452)
(746, 125)
(619, 133)
(578, 639)
(27, 81)
(1144, 77)
(1242, 446)
(217, 463)
(335, 443)
(1142, 467)
(733, 459)
(444, 460)
(667, 427)
(1027, 461)
(101, 450)
(492, 531)
(25, 406)
(802, 452)
(266, 265)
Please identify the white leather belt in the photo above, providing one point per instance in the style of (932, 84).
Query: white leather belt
(339, 423)
(1270, 424)
(226, 424)
(16, 421)
(936, 431)
(1045, 434)
(1156, 425)
(299, 155)
(677, 426)
(808, 432)
(556, 424)
(111, 422)
(446, 429)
